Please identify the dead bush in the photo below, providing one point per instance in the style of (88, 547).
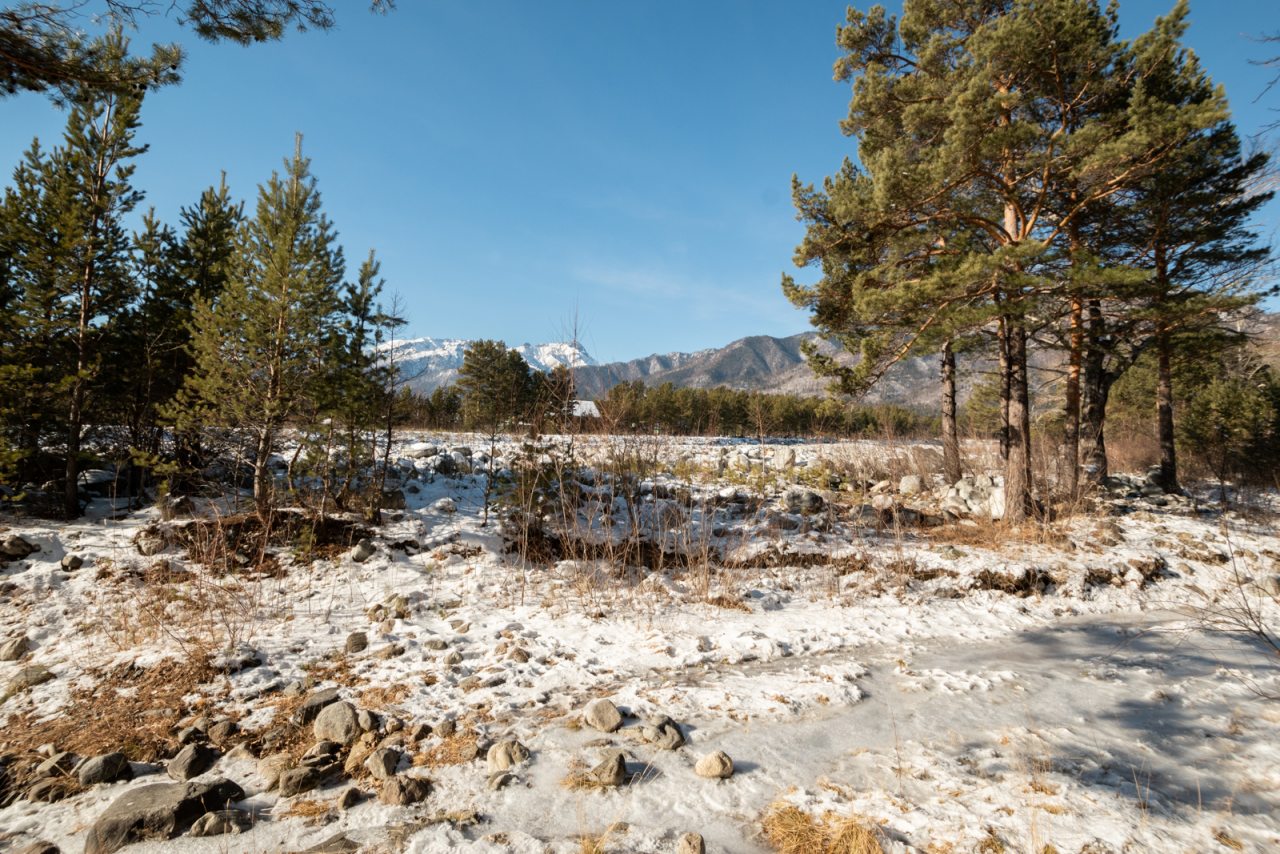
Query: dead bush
(791, 830)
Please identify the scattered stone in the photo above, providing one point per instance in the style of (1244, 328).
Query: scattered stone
(662, 732)
(382, 763)
(499, 780)
(506, 754)
(29, 677)
(691, 843)
(107, 768)
(803, 501)
(157, 811)
(221, 822)
(603, 715)
(452, 659)
(350, 797)
(49, 790)
(337, 722)
(435, 644)
(310, 708)
(910, 485)
(611, 772)
(519, 655)
(149, 542)
(223, 731)
(14, 648)
(336, 844)
(192, 761)
(41, 847)
(445, 505)
(72, 562)
(357, 642)
(60, 763)
(14, 547)
(271, 767)
(295, 781)
(446, 728)
(714, 766)
(403, 791)
(391, 650)
(363, 551)
(418, 732)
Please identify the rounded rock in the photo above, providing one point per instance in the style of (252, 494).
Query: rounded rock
(714, 766)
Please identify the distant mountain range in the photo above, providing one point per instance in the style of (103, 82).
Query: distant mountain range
(427, 363)
(754, 363)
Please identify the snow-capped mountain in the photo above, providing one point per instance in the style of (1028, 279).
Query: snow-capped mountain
(431, 362)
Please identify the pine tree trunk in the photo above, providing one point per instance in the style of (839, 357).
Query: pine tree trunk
(1071, 404)
(1096, 389)
(1003, 347)
(1017, 477)
(262, 474)
(950, 439)
(1168, 477)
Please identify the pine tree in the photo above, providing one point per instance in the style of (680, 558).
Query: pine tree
(260, 348)
(65, 220)
(986, 131)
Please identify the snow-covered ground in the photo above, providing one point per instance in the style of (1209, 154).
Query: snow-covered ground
(956, 686)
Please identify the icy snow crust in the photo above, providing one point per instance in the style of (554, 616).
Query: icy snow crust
(1079, 715)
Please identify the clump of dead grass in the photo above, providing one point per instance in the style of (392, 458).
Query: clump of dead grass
(310, 811)
(791, 830)
(382, 696)
(457, 749)
(127, 708)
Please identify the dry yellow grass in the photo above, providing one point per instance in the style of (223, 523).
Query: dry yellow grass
(791, 830)
(382, 696)
(454, 750)
(312, 812)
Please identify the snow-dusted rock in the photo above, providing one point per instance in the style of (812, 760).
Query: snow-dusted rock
(191, 761)
(107, 768)
(14, 648)
(506, 754)
(603, 715)
(403, 791)
(221, 822)
(157, 811)
(714, 766)
(337, 722)
(691, 843)
(363, 551)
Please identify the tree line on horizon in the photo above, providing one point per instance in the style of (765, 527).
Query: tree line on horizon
(1027, 179)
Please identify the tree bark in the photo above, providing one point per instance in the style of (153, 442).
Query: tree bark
(950, 438)
(1096, 389)
(1003, 348)
(1017, 477)
(1071, 403)
(1168, 477)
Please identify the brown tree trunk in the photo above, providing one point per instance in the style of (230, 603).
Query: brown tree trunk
(1017, 477)
(1003, 347)
(950, 439)
(262, 480)
(1071, 404)
(1168, 477)
(1096, 389)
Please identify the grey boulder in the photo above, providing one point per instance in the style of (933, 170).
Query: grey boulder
(157, 811)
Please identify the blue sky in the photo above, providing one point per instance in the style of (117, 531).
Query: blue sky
(515, 163)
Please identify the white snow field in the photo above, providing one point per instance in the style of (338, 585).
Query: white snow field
(1079, 686)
